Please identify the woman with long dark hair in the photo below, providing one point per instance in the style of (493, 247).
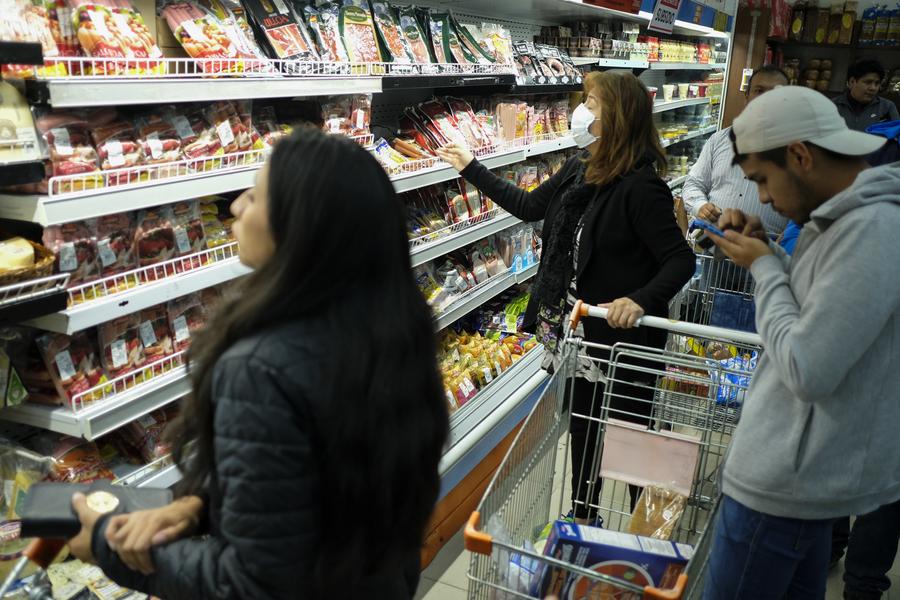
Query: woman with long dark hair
(610, 238)
(311, 440)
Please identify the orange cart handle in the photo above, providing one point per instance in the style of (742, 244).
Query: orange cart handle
(43, 551)
(675, 593)
(475, 540)
(579, 310)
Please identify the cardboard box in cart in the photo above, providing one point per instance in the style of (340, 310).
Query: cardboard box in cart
(639, 560)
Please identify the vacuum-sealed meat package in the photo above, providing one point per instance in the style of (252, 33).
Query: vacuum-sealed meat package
(71, 152)
(121, 350)
(414, 35)
(189, 236)
(203, 37)
(118, 148)
(75, 460)
(145, 435)
(156, 338)
(391, 34)
(154, 240)
(76, 252)
(115, 249)
(229, 128)
(326, 24)
(186, 315)
(73, 364)
(160, 145)
(358, 31)
(284, 33)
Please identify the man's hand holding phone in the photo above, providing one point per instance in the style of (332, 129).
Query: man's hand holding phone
(743, 237)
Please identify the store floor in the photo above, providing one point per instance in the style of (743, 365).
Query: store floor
(445, 578)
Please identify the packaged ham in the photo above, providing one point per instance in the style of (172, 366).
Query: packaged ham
(452, 47)
(233, 135)
(115, 249)
(203, 37)
(118, 148)
(358, 31)
(414, 35)
(479, 137)
(436, 26)
(73, 364)
(326, 24)
(284, 33)
(75, 460)
(156, 338)
(71, 152)
(389, 31)
(121, 350)
(186, 315)
(154, 240)
(189, 237)
(198, 138)
(76, 252)
(440, 116)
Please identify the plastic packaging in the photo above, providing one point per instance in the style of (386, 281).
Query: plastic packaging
(76, 251)
(186, 315)
(73, 364)
(154, 238)
(657, 512)
(390, 33)
(121, 350)
(155, 336)
(115, 249)
(414, 35)
(358, 31)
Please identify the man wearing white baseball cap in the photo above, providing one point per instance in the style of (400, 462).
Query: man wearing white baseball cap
(817, 438)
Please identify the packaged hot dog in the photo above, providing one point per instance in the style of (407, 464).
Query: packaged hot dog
(121, 350)
(233, 135)
(118, 148)
(73, 364)
(233, 18)
(203, 36)
(71, 151)
(160, 144)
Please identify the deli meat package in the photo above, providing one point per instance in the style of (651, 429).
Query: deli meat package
(118, 148)
(121, 351)
(75, 460)
(358, 31)
(71, 151)
(110, 29)
(325, 25)
(391, 35)
(156, 338)
(414, 35)
(115, 249)
(73, 364)
(284, 32)
(204, 37)
(76, 251)
(160, 144)
(154, 240)
(186, 315)
(189, 235)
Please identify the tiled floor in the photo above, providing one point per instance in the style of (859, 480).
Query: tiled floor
(445, 578)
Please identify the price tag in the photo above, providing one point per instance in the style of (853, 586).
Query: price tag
(451, 400)
(147, 421)
(498, 367)
(488, 377)
(467, 386)
(182, 127)
(181, 329)
(148, 335)
(360, 119)
(62, 141)
(64, 365)
(456, 355)
(115, 154)
(182, 240)
(98, 19)
(107, 256)
(226, 135)
(156, 147)
(119, 353)
(68, 261)
(281, 7)
(194, 30)
(664, 15)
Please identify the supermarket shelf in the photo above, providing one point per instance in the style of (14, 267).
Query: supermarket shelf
(430, 250)
(476, 410)
(664, 66)
(16, 173)
(444, 172)
(549, 146)
(678, 181)
(659, 107)
(693, 134)
(546, 88)
(402, 82)
(95, 312)
(165, 477)
(480, 294)
(610, 63)
(33, 298)
(21, 53)
(107, 415)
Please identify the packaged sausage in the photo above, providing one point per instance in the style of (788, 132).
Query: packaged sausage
(136, 39)
(392, 37)
(73, 364)
(232, 17)
(155, 336)
(145, 435)
(189, 236)
(115, 249)
(198, 138)
(471, 44)
(327, 26)
(229, 128)
(95, 34)
(160, 144)
(121, 350)
(71, 151)
(414, 35)
(186, 315)
(154, 239)
(284, 34)
(118, 148)
(358, 31)
(453, 48)
(203, 36)
(76, 251)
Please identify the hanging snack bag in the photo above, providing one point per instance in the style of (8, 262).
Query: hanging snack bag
(398, 49)
(414, 35)
(154, 240)
(186, 315)
(121, 351)
(117, 148)
(156, 338)
(73, 364)
(115, 249)
(76, 251)
(358, 31)
(284, 34)
(189, 238)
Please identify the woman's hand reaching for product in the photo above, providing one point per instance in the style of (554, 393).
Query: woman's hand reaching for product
(458, 157)
(623, 313)
(132, 535)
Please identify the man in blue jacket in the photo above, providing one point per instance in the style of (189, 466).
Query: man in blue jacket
(817, 437)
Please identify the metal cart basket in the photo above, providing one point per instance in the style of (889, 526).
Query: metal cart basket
(659, 417)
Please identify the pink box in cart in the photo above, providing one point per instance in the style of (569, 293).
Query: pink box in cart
(636, 559)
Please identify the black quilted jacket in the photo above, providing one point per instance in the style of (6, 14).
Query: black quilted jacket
(264, 529)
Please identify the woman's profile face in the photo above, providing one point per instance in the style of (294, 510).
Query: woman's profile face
(592, 101)
(251, 222)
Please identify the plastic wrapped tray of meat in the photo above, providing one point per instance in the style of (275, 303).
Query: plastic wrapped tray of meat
(154, 240)
(121, 350)
(115, 250)
(73, 364)
(76, 252)
(186, 315)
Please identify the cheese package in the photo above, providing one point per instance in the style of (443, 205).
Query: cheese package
(15, 253)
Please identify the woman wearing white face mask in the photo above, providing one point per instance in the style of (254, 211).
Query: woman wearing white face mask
(610, 237)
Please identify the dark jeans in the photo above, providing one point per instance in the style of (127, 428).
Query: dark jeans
(871, 551)
(755, 556)
(631, 403)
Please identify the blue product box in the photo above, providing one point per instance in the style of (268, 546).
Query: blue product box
(638, 560)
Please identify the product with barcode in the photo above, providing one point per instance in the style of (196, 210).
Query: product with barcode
(186, 315)
(74, 365)
(115, 249)
(121, 350)
(154, 238)
(284, 33)
(76, 251)
(156, 337)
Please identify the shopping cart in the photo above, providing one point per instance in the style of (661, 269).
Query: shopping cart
(661, 417)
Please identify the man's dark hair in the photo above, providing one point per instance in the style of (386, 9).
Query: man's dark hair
(767, 70)
(861, 68)
(779, 155)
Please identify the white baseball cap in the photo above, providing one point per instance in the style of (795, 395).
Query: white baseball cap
(791, 114)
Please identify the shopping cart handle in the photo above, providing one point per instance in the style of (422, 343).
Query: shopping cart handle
(475, 540)
(675, 593)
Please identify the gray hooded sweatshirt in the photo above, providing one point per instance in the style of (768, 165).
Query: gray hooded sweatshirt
(819, 435)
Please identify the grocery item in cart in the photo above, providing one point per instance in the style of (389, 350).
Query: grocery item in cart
(20, 468)
(390, 33)
(203, 36)
(73, 363)
(118, 148)
(75, 460)
(284, 33)
(154, 239)
(121, 350)
(638, 560)
(414, 35)
(115, 249)
(186, 315)
(657, 512)
(76, 251)
(358, 31)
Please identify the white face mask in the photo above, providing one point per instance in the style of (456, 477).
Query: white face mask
(582, 119)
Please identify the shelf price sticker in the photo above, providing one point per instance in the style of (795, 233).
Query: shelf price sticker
(181, 329)
(107, 256)
(664, 15)
(119, 351)
(148, 335)
(64, 365)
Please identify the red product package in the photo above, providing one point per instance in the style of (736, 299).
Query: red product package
(326, 25)
(186, 315)
(468, 124)
(233, 135)
(438, 114)
(160, 144)
(73, 364)
(189, 236)
(115, 248)
(154, 240)
(76, 460)
(121, 351)
(203, 37)
(76, 251)
(198, 138)
(118, 148)
(71, 153)
(145, 435)
(156, 337)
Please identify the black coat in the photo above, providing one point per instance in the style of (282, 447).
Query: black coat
(630, 246)
(263, 515)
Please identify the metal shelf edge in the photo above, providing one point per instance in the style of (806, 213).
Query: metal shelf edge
(441, 246)
(663, 66)
(165, 477)
(659, 107)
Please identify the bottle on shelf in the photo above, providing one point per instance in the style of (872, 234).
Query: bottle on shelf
(867, 33)
(882, 25)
